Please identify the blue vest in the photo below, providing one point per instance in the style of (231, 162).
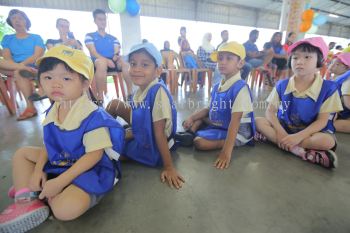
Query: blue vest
(220, 112)
(296, 114)
(345, 114)
(143, 147)
(64, 148)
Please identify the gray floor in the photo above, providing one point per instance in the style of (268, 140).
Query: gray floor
(264, 189)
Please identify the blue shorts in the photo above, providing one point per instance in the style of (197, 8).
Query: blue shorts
(255, 62)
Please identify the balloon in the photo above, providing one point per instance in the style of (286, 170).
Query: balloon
(117, 6)
(319, 20)
(132, 7)
(307, 6)
(304, 26)
(313, 29)
(308, 15)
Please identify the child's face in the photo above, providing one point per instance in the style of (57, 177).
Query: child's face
(229, 64)
(61, 85)
(143, 70)
(304, 63)
(337, 67)
(101, 21)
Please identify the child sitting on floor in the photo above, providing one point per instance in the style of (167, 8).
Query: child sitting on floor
(151, 114)
(299, 117)
(78, 163)
(341, 68)
(229, 119)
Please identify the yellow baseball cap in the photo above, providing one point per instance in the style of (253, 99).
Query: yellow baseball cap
(232, 47)
(75, 59)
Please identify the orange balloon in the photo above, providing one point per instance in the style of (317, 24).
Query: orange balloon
(305, 25)
(307, 15)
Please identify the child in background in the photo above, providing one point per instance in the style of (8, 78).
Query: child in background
(341, 68)
(151, 114)
(78, 164)
(229, 119)
(299, 117)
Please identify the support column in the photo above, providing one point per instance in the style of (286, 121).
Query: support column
(131, 31)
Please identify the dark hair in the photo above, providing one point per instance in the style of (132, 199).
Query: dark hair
(309, 49)
(16, 11)
(50, 63)
(97, 12)
(61, 19)
(182, 28)
(275, 34)
(338, 47)
(253, 32)
(145, 52)
(222, 32)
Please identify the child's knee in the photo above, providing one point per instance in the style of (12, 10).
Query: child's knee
(68, 211)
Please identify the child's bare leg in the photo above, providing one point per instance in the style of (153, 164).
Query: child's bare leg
(319, 141)
(23, 164)
(119, 108)
(342, 126)
(264, 127)
(204, 144)
(71, 203)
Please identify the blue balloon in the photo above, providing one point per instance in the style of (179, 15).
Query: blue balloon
(319, 20)
(307, 6)
(132, 7)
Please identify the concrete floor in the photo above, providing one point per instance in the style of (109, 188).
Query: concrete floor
(264, 190)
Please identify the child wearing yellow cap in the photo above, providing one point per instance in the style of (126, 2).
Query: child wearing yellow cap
(78, 163)
(229, 119)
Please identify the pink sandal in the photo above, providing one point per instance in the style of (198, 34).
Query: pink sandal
(27, 113)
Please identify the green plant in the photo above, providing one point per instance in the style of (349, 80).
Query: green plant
(4, 27)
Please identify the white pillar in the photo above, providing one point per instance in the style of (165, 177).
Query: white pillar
(284, 15)
(131, 31)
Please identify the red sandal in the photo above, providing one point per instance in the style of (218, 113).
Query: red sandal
(27, 113)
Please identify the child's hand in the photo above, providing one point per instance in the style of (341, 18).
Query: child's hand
(290, 141)
(110, 63)
(279, 137)
(37, 181)
(223, 160)
(51, 188)
(171, 176)
(187, 124)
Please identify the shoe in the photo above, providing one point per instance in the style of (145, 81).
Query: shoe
(36, 97)
(325, 158)
(27, 113)
(184, 138)
(11, 193)
(23, 217)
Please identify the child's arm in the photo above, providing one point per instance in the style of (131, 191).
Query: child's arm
(86, 162)
(38, 178)
(169, 173)
(271, 116)
(224, 158)
(199, 115)
(294, 139)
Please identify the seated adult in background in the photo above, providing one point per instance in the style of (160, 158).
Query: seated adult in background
(182, 36)
(291, 37)
(254, 57)
(279, 55)
(204, 51)
(224, 37)
(25, 48)
(168, 56)
(104, 50)
(66, 36)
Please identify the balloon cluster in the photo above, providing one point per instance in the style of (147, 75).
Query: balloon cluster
(311, 20)
(119, 6)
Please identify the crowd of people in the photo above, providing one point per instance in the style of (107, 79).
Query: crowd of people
(84, 143)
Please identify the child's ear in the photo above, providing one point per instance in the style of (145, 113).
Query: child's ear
(159, 71)
(240, 63)
(86, 84)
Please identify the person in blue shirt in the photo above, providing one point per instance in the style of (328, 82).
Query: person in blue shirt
(105, 53)
(79, 161)
(26, 48)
